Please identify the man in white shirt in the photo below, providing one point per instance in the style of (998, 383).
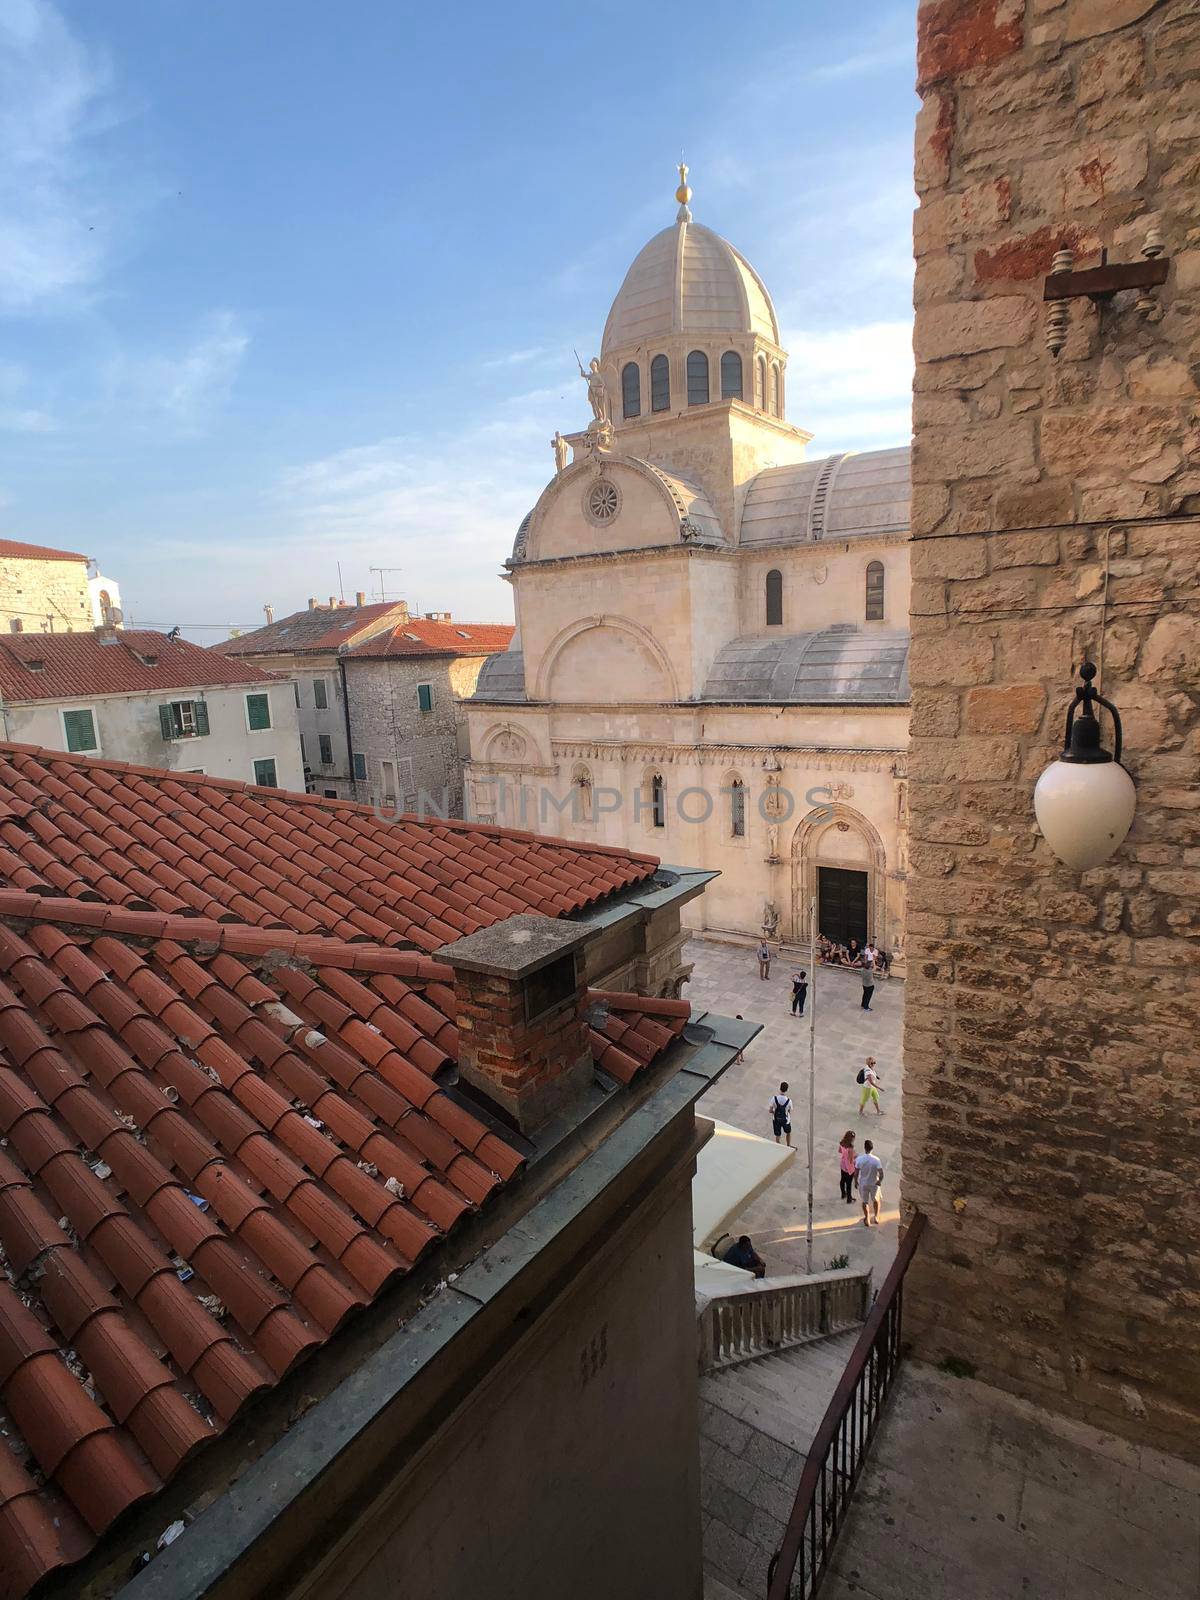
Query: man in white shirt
(869, 1170)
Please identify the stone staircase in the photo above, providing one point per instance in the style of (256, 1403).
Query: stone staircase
(757, 1420)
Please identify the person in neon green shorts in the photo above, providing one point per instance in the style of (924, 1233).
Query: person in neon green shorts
(871, 1087)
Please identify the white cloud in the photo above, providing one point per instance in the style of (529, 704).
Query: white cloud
(851, 386)
(189, 386)
(54, 219)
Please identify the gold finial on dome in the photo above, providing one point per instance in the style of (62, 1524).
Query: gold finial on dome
(683, 194)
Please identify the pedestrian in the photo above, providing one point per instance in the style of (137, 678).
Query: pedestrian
(871, 1086)
(744, 1255)
(869, 1169)
(868, 981)
(846, 1160)
(764, 959)
(799, 992)
(781, 1114)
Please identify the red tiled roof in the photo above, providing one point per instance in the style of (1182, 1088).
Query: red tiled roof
(37, 552)
(420, 637)
(322, 628)
(76, 665)
(219, 1100)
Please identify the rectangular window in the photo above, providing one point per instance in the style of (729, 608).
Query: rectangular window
(258, 711)
(320, 694)
(330, 794)
(388, 773)
(326, 748)
(264, 774)
(79, 730)
(360, 766)
(303, 751)
(183, 719)
(425, 696)
(296, 692)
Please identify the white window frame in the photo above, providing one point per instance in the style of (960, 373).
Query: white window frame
(62, 728)
(255, 762)
(388, 794)
(258, 694)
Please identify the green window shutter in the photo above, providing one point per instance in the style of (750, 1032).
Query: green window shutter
(200, 711)
(320, 694)
(166, 722)
(80, 729)
(264, 774)
(360, 766)
(258, 710)
(326, 749)
(425, 696)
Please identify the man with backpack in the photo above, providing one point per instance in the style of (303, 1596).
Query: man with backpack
(871, 1086)
(799, 993)
(781, 1114)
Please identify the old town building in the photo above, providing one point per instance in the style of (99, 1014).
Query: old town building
(151, 699)
(711, 656)
(1051, 1059)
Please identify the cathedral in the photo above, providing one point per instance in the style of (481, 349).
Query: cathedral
(711, 655)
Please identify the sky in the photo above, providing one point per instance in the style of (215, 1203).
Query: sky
(285, 284)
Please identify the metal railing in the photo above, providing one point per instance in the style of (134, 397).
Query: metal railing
(777, 1313)
(839, 1447)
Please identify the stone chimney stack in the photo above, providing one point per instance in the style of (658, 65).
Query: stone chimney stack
(312, 604)
(333, 602)
(269, 613)
(520, 989)
(360, 597)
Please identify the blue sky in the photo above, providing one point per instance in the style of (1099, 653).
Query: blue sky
(284, 283)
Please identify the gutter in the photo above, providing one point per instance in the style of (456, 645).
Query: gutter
(341, 661)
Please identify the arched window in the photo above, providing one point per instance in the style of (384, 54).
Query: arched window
(631, 390)
(874, 591)
(697, 378)
(16, 626)
(653, 805)
(776, 407)
(774, 598)
(660, 384)
(731, 376)
(737, 808)
(581, 795)
(760, 383)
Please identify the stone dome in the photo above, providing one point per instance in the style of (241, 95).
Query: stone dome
(688, 280)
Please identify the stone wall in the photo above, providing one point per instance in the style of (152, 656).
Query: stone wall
(1051, 1057)
(387, 724)
(44, 596)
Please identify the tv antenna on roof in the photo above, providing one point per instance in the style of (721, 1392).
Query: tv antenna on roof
(382, 583)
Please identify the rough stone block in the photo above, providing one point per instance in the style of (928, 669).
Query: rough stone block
(999, 323)
(953, 38)
(1086, 18)
(1008, 708)
(947, 660)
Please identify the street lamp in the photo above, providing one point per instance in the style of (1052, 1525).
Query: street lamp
(1084, 802)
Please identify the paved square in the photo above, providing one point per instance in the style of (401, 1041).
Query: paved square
(726, 980)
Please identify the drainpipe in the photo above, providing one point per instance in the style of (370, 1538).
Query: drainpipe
(349, 735)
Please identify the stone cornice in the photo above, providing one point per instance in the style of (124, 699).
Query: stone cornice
(671, 753)
(819, 548)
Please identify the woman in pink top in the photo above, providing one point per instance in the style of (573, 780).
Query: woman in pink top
(846, 1160)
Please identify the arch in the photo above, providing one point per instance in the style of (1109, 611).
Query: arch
(697, 378)
(735, 789)
(631, 390)
(776, 391)
(773, 596)
(731, 376)
(581, 792)
(660, 384)
(541, 689)
(875, 591)
(760, 383)
(815, 842)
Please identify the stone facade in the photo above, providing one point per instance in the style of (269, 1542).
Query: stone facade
(40, 595)
(422, 749)
(1051, 1053)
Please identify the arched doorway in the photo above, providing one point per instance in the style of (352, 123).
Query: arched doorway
(838, 857)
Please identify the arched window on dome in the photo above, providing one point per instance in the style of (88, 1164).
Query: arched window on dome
(660, 384)
(875, 592)
(776, 392)
(697, 378)
(731, 376)
(631, 390)
(760, 383)
(774, 597)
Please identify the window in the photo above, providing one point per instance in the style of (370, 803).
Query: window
(631, 390)
(660, 384)
(360, 766)
(697, 378)
(737, 809)
(774, 587)
(425, 696)
(658, 801)
(330, 794)
(183, 719)
(79, 730)
(325, 744)
(387, 771)
(760, 383)
(320, 694)
(303, 751)
(874, 591)
(296, 692)
(258, 711)
(731, 376)
(776, 407)
(16, 625)
(264, 774)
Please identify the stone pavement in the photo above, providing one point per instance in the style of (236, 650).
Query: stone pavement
(726, 979)
(972, 1494)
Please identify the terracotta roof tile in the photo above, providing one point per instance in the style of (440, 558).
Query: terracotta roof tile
(14, 549)
(62, 666)
(422, 636)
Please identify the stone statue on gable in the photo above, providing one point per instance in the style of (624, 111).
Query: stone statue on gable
(598, 396)
(560, 447)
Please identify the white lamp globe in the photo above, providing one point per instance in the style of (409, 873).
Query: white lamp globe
(1084, 802)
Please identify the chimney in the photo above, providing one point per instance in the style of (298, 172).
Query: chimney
(333, 602)
(269, 613)
(520, 992)
(360, 597)
(312, 604)
(437, 616)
